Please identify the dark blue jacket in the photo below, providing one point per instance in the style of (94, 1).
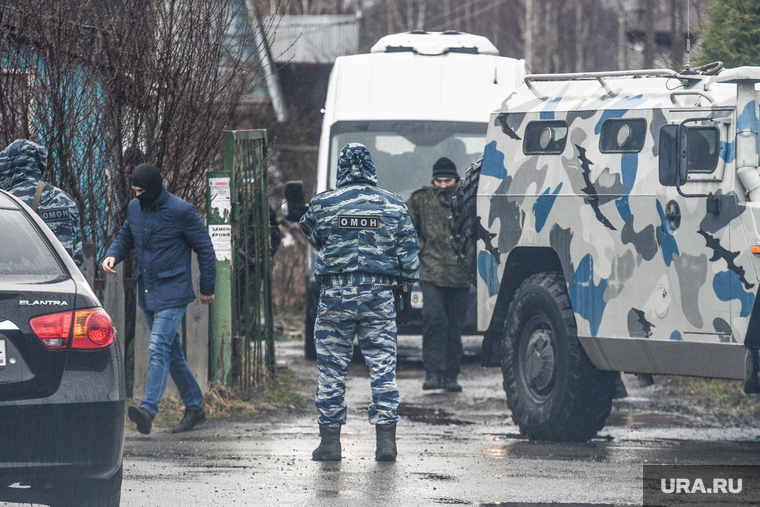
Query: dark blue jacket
(164, 235)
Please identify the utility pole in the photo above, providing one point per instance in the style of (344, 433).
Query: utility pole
(649, 31)
(529, 33)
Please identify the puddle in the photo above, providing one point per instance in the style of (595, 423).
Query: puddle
(435, 477)
(435, 416)
(513, 504)
(617, 418)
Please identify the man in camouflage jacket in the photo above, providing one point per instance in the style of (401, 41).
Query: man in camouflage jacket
(444, 285)
(22, 166)
(366, 242)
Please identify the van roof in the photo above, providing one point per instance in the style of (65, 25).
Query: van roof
(435, 43)
(407, 86)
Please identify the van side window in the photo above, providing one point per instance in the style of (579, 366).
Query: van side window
(704, 149)
(545, 137)
(623, 136)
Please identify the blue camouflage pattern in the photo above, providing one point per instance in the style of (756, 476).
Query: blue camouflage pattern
(369, 314)
(366, 241)
(362, 255)
(22, 165)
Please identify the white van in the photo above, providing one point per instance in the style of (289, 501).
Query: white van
(414, 98)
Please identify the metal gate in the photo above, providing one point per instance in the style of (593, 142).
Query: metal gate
(248, 269)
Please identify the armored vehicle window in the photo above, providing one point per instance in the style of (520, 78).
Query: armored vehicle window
(623, 136)
(545, 137)
(704, 149)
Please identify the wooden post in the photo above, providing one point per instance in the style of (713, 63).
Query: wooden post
(142, 358)
(88, 268)
(196, 333)
(113, 302)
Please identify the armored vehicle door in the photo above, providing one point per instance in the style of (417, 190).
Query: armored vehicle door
(696, 208)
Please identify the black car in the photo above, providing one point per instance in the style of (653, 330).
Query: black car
(62, 394)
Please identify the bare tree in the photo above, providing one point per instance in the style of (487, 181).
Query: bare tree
(106, 85)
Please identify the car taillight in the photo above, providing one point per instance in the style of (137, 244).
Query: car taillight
(52, 330)
(92, 329)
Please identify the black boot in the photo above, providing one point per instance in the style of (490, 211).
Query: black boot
(191, 419)
(451, 385)
(329, 448)
(142, 418)
(752, 369)
(432, 381)
(386, 442)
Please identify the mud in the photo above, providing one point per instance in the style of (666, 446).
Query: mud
(454, 449)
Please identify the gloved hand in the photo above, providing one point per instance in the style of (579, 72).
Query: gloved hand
(402, 295)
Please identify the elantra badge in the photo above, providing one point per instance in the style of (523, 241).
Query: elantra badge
(37, 302)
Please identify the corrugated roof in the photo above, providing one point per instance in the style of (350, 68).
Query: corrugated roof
(314, 39)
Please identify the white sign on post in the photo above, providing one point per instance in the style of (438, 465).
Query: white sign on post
(221, 238)
(219, 189)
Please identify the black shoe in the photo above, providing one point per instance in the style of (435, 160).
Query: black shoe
(451, 385)
(329, 447)
(142, 418)
(432, 382)
(191, 419)
(386, 442)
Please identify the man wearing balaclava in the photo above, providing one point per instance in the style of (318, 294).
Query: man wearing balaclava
(164, 230)
(366, 243)
(22, 167)
(444, 285)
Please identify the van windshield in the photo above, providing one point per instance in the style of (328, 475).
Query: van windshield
(404, 151)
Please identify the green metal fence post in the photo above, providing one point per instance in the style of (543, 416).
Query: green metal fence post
(219, 199)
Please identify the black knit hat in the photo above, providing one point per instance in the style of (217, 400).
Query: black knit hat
(445, 168)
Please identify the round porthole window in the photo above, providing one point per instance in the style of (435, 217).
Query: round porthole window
(623, 135)
(546, 138)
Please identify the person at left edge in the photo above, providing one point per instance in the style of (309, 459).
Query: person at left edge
(22, 167)
(164, 229)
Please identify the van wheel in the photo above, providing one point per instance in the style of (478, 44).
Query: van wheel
(464, 222)
(309, 347)
(553, 389)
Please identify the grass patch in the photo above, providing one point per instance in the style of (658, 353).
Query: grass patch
(714, 394)
(221, 402)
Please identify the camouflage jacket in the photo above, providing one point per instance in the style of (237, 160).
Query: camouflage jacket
(363, 233)
(430, 209)
(22, 165)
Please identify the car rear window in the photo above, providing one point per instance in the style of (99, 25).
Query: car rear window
(27, 256)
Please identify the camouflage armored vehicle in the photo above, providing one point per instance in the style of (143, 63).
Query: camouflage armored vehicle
(612, 225)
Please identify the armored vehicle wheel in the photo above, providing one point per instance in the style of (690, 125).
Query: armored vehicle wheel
(309, 347)
(553, 389)
(464, 221)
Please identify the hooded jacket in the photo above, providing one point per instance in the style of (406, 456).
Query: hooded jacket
(363, 233)
(22, 166)
(164, 234)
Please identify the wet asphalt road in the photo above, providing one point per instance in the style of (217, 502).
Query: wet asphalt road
(454, 449)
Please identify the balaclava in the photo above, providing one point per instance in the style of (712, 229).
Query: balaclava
(147, 177)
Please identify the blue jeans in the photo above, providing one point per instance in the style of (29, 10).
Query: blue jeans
(166, 357)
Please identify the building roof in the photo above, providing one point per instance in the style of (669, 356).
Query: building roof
(313, 39)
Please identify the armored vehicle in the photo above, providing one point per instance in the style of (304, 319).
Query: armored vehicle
(611, 225)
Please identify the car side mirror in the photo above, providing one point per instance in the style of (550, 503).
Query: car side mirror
(295, 205)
